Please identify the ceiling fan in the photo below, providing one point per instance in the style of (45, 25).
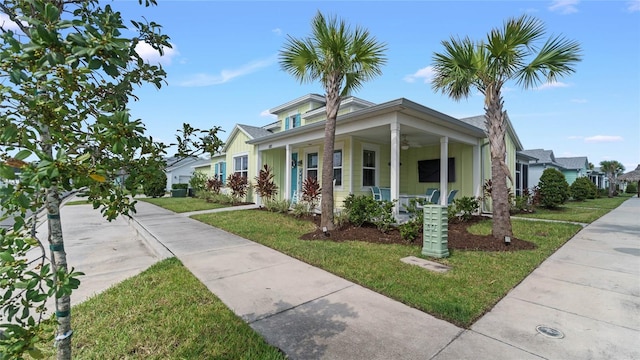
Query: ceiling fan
(404, 144)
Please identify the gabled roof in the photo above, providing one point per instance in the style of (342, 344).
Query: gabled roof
(175, 162)
(544, 157)
(297, 102)
(252, 132)
(573, 163)
(478, 121)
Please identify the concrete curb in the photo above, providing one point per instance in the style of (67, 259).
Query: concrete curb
(150, 240)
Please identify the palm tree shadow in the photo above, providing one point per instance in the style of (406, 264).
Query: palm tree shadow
(303, 332)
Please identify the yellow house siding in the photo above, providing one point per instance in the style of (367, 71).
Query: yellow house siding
(276, 159)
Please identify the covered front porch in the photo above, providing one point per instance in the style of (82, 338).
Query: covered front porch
(404, 147)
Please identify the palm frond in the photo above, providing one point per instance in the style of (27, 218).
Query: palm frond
(557, 57)
(457, 68)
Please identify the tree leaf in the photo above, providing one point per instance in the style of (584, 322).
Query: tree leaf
(97, 177)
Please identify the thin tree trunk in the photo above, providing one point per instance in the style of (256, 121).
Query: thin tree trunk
(58, 256)
(333, 104)
(496, 128)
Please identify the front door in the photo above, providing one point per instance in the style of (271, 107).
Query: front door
(294, 176)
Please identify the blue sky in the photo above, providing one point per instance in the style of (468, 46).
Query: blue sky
(223, 68)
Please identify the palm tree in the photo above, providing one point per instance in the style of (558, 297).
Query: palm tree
(612, 168)
(509, 53)
(342, 60)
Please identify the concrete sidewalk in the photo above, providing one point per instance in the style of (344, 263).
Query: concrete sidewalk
(588, 292)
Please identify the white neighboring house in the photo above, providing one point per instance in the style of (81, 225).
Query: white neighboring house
(180, 170)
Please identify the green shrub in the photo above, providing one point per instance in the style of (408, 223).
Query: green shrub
(581, 189)
(383, 217)
(632, 188)
(554, 189)
(593, 191)
(410, 230)
(360, 209)
(238, 185)
(279, 206)
(300, 209)
(198, 181)
(179, 186)
(155, 185)
(466, 206)
(522, 204)
(219, 198)
(340, 219)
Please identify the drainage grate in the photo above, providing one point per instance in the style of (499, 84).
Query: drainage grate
(549, 332)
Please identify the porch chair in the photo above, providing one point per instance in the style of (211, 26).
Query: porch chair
(429, 192)
(385, 194)
(435, 197)
(375, 191)
(452, 194)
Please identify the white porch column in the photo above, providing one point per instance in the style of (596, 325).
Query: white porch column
(477, 171)
(444, 168)
(258, 168)
(287, 173)
(395, 166)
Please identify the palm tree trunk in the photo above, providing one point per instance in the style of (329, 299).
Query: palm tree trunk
(496, 128)
(333, 104)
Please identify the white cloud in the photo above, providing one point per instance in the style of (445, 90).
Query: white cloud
(152, 55)
(564, 6)
(552, 85)
(579, 101)
(633, 6)
(277, 31)
(266, 113)
(228, 75)
(603, 138)
(7, 24)
(425, 73)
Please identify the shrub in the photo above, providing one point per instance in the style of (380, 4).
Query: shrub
(632, 188)
(238, 185)
(360, 209)
(213, 185)
(198, 181)
(340, 219)
(155, 184)
(383, 216)
(581, 189)
(311, 192)
(265, 187)
(593, 190)
(219, 198)
(554, 189)
(466, 206)
(300, 209)
(279, 206)
(410, 230)
(179, 186)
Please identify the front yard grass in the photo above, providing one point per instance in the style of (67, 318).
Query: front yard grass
(182, 204)
(579, 211)
(163, 313)
(476, 282)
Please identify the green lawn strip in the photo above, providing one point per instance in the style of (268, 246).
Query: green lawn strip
(478, 279)
(163, 313)
(578, 211)
(182, 204)
(78, 202)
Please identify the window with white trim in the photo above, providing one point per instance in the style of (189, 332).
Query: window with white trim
(368, 168)
(241, 165)
(312, 165)
(219, 171)
(337, 167)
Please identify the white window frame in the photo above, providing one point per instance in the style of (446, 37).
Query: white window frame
(241, 171)
(339, 147)
(376, 150)
(219, 173)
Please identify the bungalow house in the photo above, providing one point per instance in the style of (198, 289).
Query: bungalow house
(540, 159)
(400, 145)
(180, 170)
(574, 167)
(598, 177)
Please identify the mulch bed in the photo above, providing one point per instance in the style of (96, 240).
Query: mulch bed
(459, 238)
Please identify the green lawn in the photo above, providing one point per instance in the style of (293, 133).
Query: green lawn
(182, 204)
(579, 211)
(163, 313)
(478, 279)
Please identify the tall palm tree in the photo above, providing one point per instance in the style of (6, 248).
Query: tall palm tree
(342, 60)
(509, 53)
(612, 168)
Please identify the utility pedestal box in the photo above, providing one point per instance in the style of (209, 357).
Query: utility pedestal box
(436, 231)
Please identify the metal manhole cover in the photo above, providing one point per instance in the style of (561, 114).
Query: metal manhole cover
(549, 332)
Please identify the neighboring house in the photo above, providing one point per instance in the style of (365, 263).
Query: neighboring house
(599, 177)
(574, 167)
(398, 144)
(180, 170)
(541, 159)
